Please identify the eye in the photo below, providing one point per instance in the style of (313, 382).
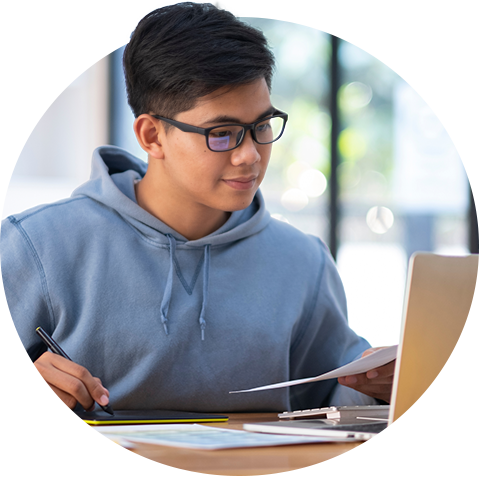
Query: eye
(263, 127)
(221, 133)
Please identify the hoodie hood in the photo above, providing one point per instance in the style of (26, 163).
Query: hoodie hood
(112, 180)
(114, 172)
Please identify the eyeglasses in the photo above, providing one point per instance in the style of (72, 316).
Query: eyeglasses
(229, 136)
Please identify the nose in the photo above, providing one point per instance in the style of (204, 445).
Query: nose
(247, 153)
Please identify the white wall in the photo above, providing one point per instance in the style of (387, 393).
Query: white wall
(56, 157)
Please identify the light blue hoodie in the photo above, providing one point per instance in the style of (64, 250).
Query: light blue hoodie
(168, 323)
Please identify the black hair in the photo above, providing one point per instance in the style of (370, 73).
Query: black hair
(180, 53)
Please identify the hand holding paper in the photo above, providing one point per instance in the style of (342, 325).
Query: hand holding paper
(374, 360)
(377, 382)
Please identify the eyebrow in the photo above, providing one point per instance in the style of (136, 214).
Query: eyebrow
(230, 119)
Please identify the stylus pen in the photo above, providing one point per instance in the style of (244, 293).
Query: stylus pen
(55, 348)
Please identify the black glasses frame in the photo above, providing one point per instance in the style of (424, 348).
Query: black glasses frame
(246, 127)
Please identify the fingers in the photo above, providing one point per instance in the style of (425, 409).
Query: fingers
(91, 408)
(378, 391)
(100, 383)
(71, 382)
(376, 383)
(362, 380)
(385, 371)
(382, 375)
(372, 350)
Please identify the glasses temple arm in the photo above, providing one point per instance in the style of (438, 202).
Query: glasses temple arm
(182, 126)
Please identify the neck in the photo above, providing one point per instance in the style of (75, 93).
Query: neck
(192, 221)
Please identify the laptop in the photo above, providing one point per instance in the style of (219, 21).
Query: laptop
(438, 297)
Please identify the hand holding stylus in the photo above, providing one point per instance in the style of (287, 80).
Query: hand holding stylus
(71, 382)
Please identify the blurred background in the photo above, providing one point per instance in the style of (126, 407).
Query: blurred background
(364, 164)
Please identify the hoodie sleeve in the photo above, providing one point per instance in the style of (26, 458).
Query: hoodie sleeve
(25, 286)
(323, 341)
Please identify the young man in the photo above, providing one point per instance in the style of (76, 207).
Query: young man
(171, 282)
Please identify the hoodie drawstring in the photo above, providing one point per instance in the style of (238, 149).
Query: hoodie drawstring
(168, 288)
(206, 269)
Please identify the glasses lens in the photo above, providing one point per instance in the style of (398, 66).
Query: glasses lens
(269, 130)
(225, 137)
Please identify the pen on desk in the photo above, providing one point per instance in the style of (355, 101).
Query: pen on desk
(55, 348)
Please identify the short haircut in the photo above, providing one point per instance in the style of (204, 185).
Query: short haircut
(180, 53)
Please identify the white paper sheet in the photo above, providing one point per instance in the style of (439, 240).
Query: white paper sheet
(362, 365)
(195, 436)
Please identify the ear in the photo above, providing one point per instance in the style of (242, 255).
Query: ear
(150, 134)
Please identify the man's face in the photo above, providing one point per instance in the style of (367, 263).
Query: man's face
(224, 181)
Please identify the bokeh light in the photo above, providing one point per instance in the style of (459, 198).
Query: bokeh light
(352, 144)
(294, 200)
(355, 95)
(312, 182)
(380, 219)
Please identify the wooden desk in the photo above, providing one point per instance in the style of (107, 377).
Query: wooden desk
(311, 459)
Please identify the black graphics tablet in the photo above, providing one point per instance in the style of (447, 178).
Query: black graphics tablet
(101, 418)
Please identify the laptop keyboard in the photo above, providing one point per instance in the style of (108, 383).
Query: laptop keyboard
(431, 430)
(364, 427)
(381, 427)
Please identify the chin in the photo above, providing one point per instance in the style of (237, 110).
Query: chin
(239, 203)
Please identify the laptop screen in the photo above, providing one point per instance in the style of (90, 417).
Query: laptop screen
(437, 378)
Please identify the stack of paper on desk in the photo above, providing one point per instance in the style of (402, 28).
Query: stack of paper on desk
(191, 436)
(362, 365)
(195, 436)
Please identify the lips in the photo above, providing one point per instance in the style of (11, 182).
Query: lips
(241, 183)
